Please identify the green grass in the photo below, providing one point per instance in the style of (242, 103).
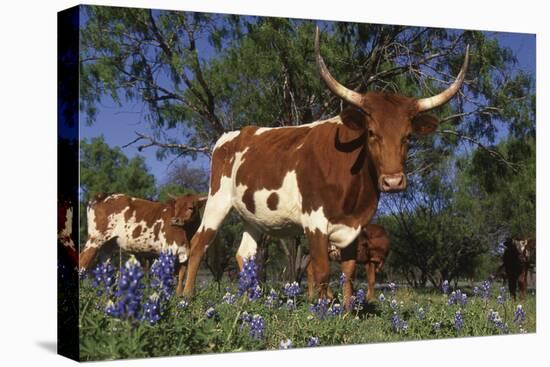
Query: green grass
(189, 331)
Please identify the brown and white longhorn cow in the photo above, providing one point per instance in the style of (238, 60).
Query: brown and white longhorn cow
(141, 226)
(370, 249)
(321, 179)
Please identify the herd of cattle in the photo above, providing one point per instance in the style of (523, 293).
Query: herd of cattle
(322, 180)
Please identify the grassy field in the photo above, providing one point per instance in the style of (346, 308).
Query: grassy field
(217, 320)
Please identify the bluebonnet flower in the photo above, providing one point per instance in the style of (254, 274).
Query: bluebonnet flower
(228, 298)
(502, 296)
(393, 287)
(458, 298)
(82, 273)
(393, 304)
(343, 279)
(245, 318)
(476, 291)
(459, 320)
(212, 313)
(358, 300)
(436, 326)
(129, 292)
(255, 293)
(182, 304)
(420, 313)
(291, 289)
(103, 277)
(162, 273)
(445, 287)
(320, 308)
(285, 344)
(381, 297)
(335, 310)
(495, 319)
(397, 323)
(486, 289)
(290, 304)
(500, 248)
(248, 279)
(271, 299)
(313, 341)
(111, 309)
(257, 327)
(519, 315)
(152, 309)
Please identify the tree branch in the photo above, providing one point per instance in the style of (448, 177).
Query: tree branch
(182, 148)
(493, 153)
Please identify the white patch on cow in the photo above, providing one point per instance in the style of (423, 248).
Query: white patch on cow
(226, 138)
(165, 209)
(285, 220)
(113, 197)
(94, 236)
(332, 120)
(219, 204)
(341, 235)
(315, 220)
(299, 146)
(248, 246)
(64, 236)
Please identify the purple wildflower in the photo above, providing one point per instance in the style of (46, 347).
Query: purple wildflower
(182, 304)
(335, 310)
(228, 298)
(436, 326)
(129, 292)
(445, 287)
(458, 298)
(392, 287)
(248, 279)
(313, 341)
(486, 286)
(343, 279)
(257, 327)
(459, 320)
(320, 308)
(393, 304)
(502, 296)
(162, 273)
(358, 300)
(519, 315)
(494, 319)
(291, 289)
(103, 277)
(420, 313)
(271, 299)
(285, 344)
(211, 313)
(397, 323)
(381, 297)
(152, 309)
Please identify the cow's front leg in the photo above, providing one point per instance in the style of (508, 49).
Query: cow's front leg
(181, 274)
(348, 263)
(199, 244)
(370, 269)
(318, 250)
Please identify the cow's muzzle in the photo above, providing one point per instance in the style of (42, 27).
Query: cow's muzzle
(177, 221)
(392, 183)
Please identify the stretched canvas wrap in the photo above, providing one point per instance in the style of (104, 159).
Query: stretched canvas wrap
(239, 183)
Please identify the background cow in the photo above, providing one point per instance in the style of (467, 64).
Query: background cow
(371, 246)
(142, 226)
(518, 258)
(321, 179)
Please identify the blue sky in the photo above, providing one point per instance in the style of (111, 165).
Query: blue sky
(118, 123)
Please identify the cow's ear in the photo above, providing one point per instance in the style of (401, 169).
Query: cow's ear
(424, 124)
(354, 119)
(201, 202)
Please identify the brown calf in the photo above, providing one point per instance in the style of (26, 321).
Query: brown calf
(372, 247)
(518, 258)
(142, 227)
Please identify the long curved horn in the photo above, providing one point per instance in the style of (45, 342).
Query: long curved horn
(338, 89)
(425, 104)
